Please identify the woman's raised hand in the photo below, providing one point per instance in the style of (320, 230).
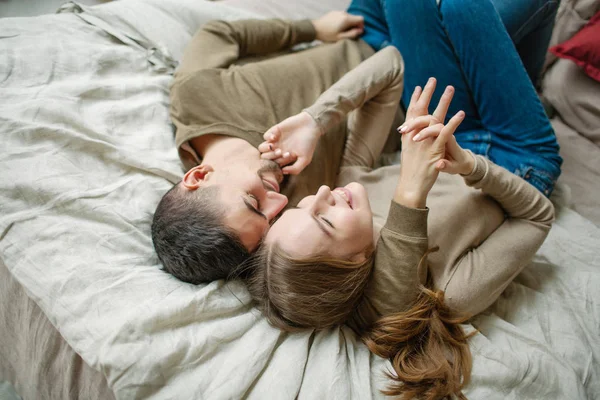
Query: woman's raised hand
(457, 160)
(422, 159)
(422, 126)
(292, 141)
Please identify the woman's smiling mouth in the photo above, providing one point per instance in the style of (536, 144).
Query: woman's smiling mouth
(344, 194)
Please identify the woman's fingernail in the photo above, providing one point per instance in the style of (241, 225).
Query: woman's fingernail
(417, 137)
(404, 129)
(278, 152)
(287, 154)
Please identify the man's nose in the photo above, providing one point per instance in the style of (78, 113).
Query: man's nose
(274, 204)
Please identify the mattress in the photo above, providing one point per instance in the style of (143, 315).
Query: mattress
(35, 357)
(88, 151)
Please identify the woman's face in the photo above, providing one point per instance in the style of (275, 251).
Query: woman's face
(336, 223)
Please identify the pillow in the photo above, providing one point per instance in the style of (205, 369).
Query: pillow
(161, 27)
(576, 98)
(288, 9)
(584, 48)
(572, 15)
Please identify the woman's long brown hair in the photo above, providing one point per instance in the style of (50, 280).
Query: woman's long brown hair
(426, 345)
(317, 292)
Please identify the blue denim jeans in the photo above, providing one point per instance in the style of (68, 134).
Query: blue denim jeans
(490, 52)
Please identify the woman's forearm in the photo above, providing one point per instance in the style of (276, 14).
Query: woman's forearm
(518, 198)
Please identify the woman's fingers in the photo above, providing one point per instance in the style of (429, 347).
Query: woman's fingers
(286, 158)
(431, 131)
(447, 166)
(295, 168)
(449, 129)
(415, 96)
(272, 134)
(413, 100)
(453, 124)
(272, 155)
(417, 123)
(266, 147)
(442, 108)
(425, 98)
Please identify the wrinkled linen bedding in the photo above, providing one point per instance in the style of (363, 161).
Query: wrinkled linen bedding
(87, 153)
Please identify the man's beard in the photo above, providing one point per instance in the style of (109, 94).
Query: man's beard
(270, 166)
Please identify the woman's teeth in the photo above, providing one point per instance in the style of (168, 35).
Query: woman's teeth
(343, 195)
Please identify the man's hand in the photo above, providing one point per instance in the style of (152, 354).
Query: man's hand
(338, 25)
(293, 140)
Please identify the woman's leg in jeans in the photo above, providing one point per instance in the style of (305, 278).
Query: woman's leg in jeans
(464, 43)
(529, 24)
(376, 29)
(523, 140)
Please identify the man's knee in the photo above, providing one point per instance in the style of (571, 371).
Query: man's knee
(396, 64)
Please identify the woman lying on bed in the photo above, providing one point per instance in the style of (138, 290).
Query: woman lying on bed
(449, 246)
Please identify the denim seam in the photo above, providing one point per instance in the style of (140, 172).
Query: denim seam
(541, 9)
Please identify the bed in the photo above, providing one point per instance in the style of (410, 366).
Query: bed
(86, 312)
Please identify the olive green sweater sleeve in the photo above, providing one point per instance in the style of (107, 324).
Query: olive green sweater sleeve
(357, 87)
(372, 92)
(394, 281)
(218, 44)
(483, 272)
(479, 274)
(519, 199)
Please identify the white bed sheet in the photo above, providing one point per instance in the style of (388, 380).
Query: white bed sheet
(87, 153)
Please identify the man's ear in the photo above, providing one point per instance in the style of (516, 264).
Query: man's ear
(194, 178)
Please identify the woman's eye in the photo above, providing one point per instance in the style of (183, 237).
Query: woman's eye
(327, 222)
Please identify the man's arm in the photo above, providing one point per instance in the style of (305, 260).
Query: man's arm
(371, 91)
(369, 96)
(218, 44)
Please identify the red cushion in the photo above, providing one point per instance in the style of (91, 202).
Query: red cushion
(584, 48)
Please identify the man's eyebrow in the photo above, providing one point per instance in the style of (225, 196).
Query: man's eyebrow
(254, 210)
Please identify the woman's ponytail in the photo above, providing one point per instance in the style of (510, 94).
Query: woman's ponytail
(427, 346)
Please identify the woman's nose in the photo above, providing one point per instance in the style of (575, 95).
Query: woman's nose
(324, 196)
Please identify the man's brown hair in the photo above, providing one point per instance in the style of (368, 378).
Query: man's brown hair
(190, 238)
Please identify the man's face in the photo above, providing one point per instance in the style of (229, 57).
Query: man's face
(250, 198)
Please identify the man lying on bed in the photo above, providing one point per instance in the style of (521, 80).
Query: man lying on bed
(236, 83)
